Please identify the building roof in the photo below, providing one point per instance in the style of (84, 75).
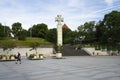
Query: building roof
(65, 27)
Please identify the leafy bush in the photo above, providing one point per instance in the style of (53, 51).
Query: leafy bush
(32, 56)
(0, 56)
(40, 55)
(11, 55)
(3, 55)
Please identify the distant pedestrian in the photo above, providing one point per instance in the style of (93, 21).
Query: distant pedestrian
(93, 53)
(26, 54)
(18, 57)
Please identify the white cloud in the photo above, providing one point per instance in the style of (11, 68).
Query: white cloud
(73, 3)
(74, 12)
(109, 2)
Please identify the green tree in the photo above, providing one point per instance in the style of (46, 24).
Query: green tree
(1, 31)
(52, 35)
(66, 36)
(34, 46)
(39, 30)
(100, 33)
(16, 28)
(29, 32)
(87, 30)
(74, 35)
(112, 23)
(7, 31)
(81, 31)
(4, 31)
(22, 34)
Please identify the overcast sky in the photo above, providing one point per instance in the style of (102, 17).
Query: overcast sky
(74, 12)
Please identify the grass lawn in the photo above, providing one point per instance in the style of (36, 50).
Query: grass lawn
(26, 43)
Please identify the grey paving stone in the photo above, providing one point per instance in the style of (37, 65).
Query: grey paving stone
(71, 68)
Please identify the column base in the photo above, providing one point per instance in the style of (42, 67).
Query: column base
(59, 55)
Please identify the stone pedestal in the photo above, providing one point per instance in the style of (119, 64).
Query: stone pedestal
(58, 55)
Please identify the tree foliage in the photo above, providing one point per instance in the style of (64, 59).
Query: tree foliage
(1, 31)
(18, 31)
(34, 46)
(112, 24)
(52, 35)
(39, 30)
(87, 30)
(67, 37)
(100, 34)
(16, 27)
(4, 31)
(105, 31)
(22, 34)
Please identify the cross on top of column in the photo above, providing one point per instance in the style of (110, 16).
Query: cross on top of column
(59, 19)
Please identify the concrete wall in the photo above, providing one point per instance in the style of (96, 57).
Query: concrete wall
(23, 51)
(94, 52)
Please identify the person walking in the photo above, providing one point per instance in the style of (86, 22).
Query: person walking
(18, 57)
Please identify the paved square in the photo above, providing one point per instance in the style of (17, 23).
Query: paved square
(71, 68)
